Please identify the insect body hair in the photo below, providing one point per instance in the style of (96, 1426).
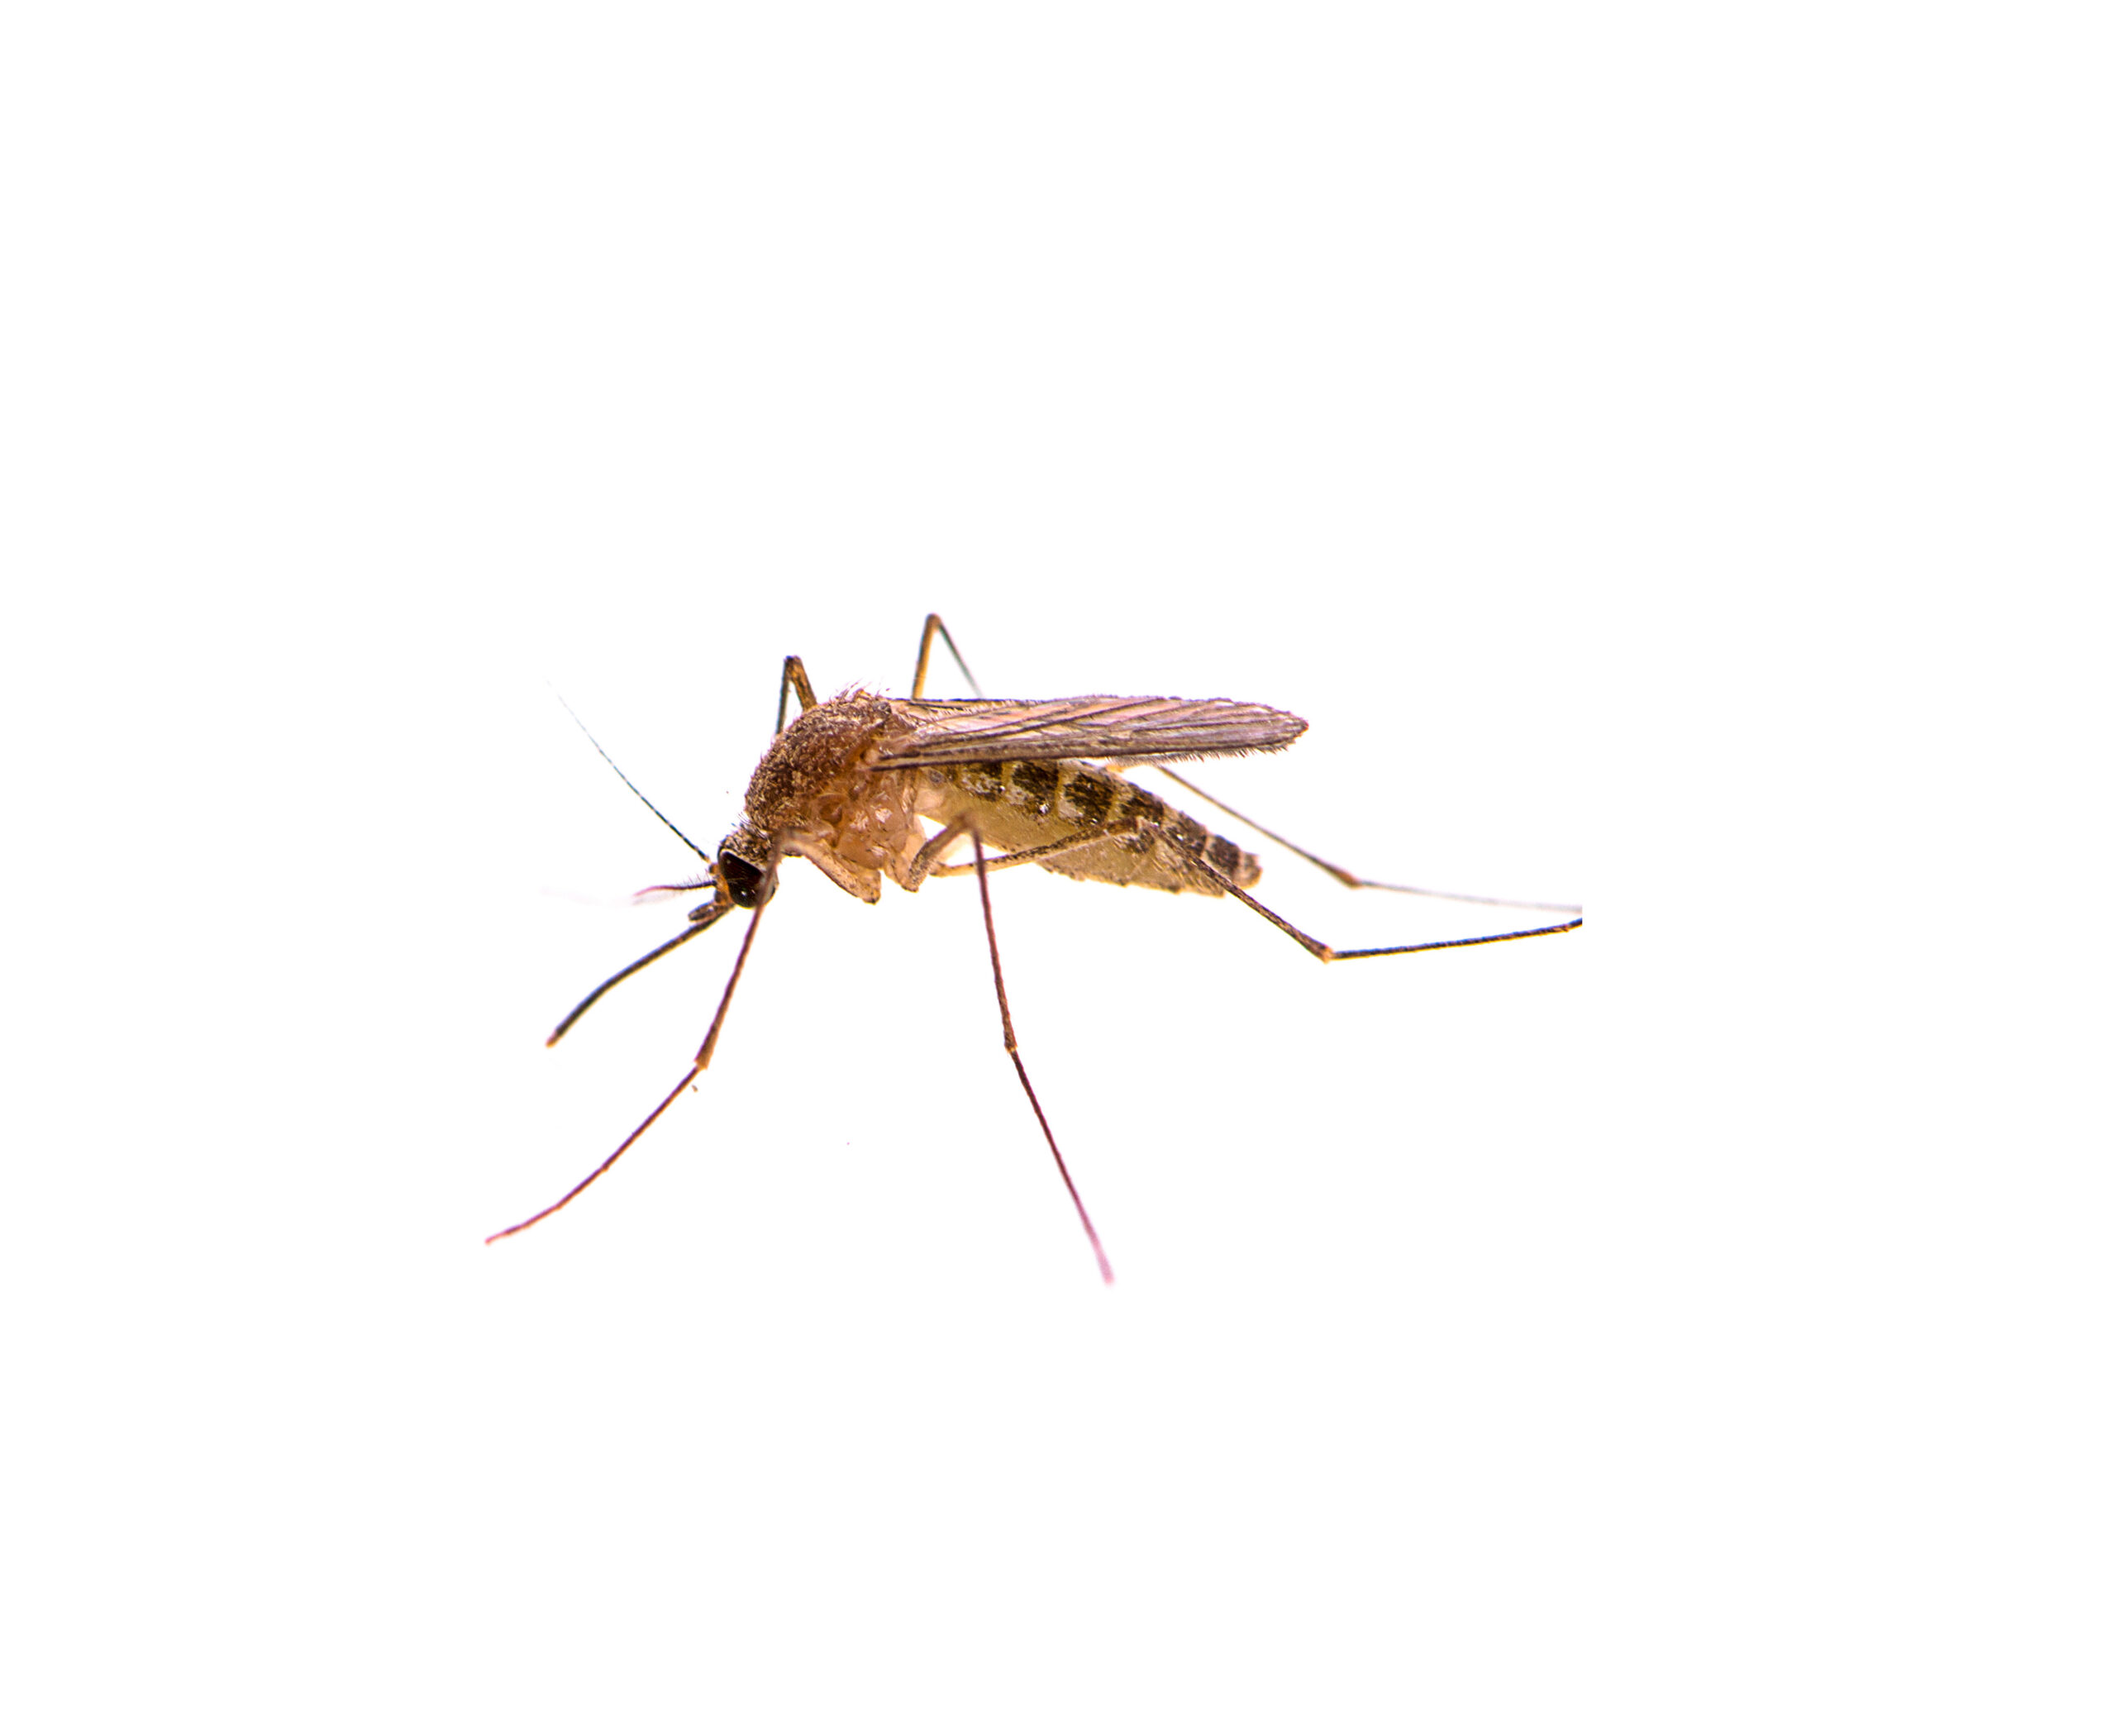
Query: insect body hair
(818, 792)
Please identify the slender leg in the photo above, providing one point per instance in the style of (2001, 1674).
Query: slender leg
(1037, 853)
(934, 625)
(795, 676)
(1330, 955)
(1014, 1055)
(703, 1060)
(929, 853)
(1345, 878)
(928, 860)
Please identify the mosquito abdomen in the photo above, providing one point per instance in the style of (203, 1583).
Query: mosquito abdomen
(1021, 804)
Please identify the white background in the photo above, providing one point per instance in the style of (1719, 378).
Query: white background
(1668, 463)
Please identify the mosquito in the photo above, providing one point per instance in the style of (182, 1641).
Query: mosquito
(851, 783)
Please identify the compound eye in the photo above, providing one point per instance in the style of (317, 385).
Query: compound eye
(745, 880)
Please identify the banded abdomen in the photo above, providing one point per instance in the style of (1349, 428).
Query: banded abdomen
(1023, 804)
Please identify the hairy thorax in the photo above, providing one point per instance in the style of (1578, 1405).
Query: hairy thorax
(818, 791)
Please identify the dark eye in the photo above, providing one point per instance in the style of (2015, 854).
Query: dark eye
(745, 880)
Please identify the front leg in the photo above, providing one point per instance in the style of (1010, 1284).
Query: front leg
(794, 677)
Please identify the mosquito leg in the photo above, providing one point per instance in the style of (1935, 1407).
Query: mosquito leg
(1345, 878)
(929, 852)
(704, 1059)
(924, 863)
(796, 677)
(934, 625)
(702, 919)
(1330, 955)
(1037, 853)
(1014, 1055)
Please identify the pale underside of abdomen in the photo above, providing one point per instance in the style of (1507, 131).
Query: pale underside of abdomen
(1025, 804)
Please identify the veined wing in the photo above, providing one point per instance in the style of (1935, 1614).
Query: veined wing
(1093, 727)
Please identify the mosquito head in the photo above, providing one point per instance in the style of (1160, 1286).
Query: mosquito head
(748, 866)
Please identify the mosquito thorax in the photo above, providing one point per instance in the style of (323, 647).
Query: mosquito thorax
(823, 791)
(813, 758)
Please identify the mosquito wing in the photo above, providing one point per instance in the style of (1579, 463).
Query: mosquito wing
(1093, 727)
